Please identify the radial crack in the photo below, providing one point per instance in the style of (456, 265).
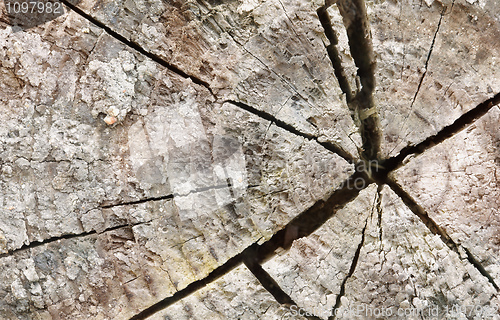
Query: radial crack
(437, 230)
(357, 26)
(167, 197)
(480, 268)
(35, 244)
(423, 74)
(269, 117)
(133, 45)
(303, 225)
(193, 286)
(334, 55)
(270, 284)
(426, 66)
(447, 132)
(422, 214)
(354, 263)
(379, 211)
(314, 217)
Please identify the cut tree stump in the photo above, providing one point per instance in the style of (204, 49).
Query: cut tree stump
(278, 159)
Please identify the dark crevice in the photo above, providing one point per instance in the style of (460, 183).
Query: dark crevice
(422, 214)
(283, 125)
(437, 230)
(354, 263)
(137, 47)
(355, 20)
(333, 53)
(447, 132)
(35, 244)
(379, 211)
(129, 203)
(270, 284)
(310, 220)
(166, 197)
(289, 20)
(128, 281)
(302, 225)
(480, 268)
(426, 66)
(194, 286)
(357, 26)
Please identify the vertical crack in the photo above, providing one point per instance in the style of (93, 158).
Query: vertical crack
(426, 67)
(354, 263)
(357, 26)
(379, 211)
(356, 22)
(334, 54)
(290, 20)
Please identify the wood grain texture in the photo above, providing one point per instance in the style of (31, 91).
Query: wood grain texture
(250, 160)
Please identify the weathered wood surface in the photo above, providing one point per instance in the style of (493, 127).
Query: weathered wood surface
(191, 159)
(236, 295)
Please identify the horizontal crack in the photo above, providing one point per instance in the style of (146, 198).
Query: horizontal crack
(107, 206)
(266, 116)
(167, 197)
(461, 123)
(137, 47)
(35, 244)
(437, 230)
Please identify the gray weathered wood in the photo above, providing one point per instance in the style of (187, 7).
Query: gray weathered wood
(191, 159)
